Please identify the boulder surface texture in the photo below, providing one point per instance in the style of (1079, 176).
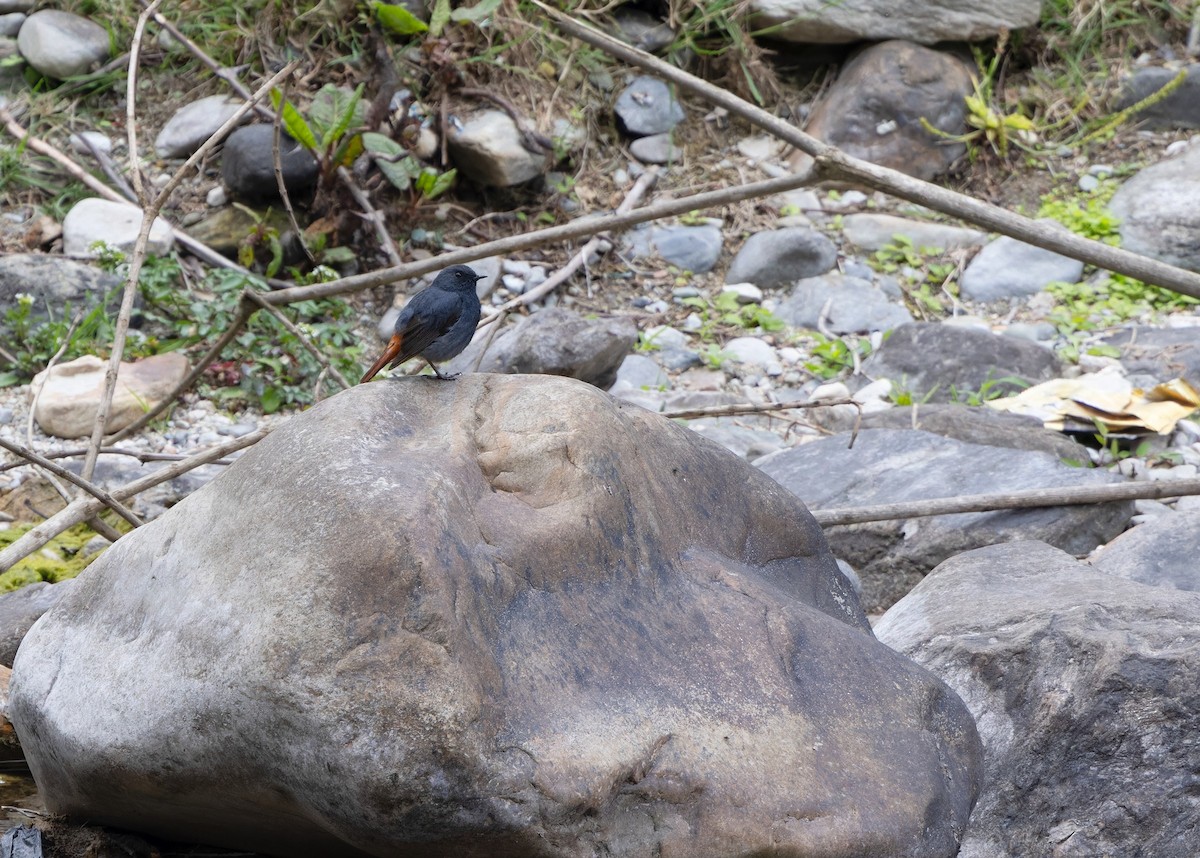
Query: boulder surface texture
(1086, 688)
(501, 616)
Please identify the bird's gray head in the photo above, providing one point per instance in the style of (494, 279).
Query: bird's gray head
(458, 278)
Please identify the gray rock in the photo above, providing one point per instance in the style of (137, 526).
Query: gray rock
(488, 150)
(225, 229)
(55, 283)
(556, 341)
(1162, 353)
(873, 109)
(819, 21)
(248, 164)
(194, 123)
(1161, 552)
(639, 372)
(939, 363)
(7, 6)
(642, 30)
(1158, 211)
(745, 441)
(6, 416)
(689, 248)
(751, 350)
(61, 45)
(1007, 268)
(647, 106)
(548, 625)
(1085, 689)
(870, 231)
(10, 23)
(894, 465)
(849, 305)
(778, 257)
(979, 426)
(20, 609)
(115, 224)
(655, 149)
(1180, 109)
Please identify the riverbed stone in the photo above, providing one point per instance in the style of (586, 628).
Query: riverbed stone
(115, 224)
(489, 150)
(1158, 212)
(777, 257)
(647, 106)
(193, 124)
(843, 305)
(1008, 268)
(548, 625)
(819, 21)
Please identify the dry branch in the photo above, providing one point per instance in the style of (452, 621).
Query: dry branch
(89, 487)
(1009, 500)
(831, 164)
(753, 408)
(82, 509)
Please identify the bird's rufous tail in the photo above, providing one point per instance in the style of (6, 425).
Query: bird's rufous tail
(389, 354)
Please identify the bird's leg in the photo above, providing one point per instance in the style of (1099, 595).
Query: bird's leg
(436, 372)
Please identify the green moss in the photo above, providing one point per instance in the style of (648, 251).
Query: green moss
(59, 559)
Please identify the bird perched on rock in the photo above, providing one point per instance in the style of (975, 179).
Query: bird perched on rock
(436, 324)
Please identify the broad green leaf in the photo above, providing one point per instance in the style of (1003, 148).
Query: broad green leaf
(8, 379)
(335, 109)
(477, 13)
(443, 183)
(293, 122)
(439, 17)
(399, 172)
(271, 399)
(396, 19)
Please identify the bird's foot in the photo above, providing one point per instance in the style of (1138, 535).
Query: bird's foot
(447, 377)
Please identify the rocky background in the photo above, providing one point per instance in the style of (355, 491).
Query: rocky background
(618, 637)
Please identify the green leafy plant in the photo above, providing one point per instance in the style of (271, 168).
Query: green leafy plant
(993, 388)
(725, 310)
(266, 364)
(833, 356)
(1112, 298)
(714, 356)
(332, 130)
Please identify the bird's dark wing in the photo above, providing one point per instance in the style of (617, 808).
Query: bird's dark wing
(426, 317)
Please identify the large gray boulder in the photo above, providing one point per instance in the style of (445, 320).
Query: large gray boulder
(1158, 212)
(1086, 688)
(936, 362)
(900, 465)
(500, 616)
(1161, 551)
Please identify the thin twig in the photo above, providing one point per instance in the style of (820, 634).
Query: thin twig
(1068, 496)
(371, 214)
(644, 183)
(137, 257)
(244, 312)
(79, 174)
(831, 164)
(752, 408)
(49, 370)
(257, 298)
(487, 343)
(131, 123)
(583, 227)
(277, 165)
(82, 509)
(89, 487)
(109, 451)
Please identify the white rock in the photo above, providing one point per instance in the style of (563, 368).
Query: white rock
(71, 392)
(216, 197)
(746, 293)
(115, 224)
(828, 391)
(876, 391)
(79, 142)
(751, 350)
